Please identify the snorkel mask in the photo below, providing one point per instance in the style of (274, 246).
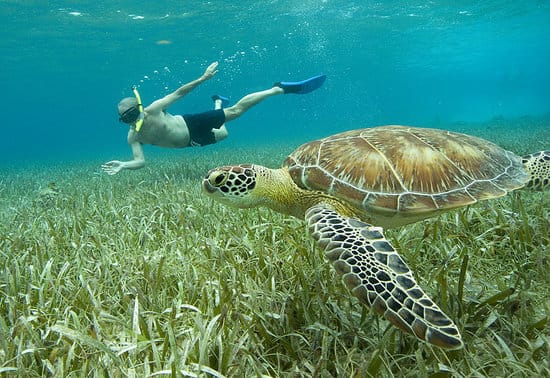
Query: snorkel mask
(134, 114)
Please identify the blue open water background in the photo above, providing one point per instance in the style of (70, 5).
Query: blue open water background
(66, 64)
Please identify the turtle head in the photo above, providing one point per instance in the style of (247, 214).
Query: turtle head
(248, 185)
(233, 185)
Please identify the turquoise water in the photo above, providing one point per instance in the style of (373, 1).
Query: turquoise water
(66, 64)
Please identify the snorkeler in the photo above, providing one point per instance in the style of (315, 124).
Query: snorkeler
(154, 125)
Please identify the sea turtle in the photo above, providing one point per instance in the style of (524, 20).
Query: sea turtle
(349, 185)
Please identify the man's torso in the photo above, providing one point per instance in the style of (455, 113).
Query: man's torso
(164, 130)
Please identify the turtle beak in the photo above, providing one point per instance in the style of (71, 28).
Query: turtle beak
(212, 181)
(207, 187)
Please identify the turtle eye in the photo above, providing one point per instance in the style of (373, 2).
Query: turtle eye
(217, 179)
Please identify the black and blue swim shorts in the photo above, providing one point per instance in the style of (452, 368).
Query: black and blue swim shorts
(200, 126)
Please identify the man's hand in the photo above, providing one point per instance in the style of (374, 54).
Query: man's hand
(210, 71)
(112, 167)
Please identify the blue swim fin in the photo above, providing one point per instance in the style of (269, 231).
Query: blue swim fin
(225, 100)
(304, 86)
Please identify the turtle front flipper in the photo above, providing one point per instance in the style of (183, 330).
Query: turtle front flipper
(538, 166)
(374, 272)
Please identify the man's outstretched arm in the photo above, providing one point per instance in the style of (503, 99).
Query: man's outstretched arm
(114, 166)
(166, 101)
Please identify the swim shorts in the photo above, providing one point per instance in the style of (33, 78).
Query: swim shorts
(200, 126)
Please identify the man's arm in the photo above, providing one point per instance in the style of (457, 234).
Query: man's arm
(163, 103)
(114, 166)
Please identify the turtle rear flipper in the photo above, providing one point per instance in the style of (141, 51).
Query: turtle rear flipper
(538, 166)
(374, 272)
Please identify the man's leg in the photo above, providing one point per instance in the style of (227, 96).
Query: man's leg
(221, 132)
(249, 101)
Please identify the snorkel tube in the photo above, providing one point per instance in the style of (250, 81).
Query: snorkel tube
(139, 121)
